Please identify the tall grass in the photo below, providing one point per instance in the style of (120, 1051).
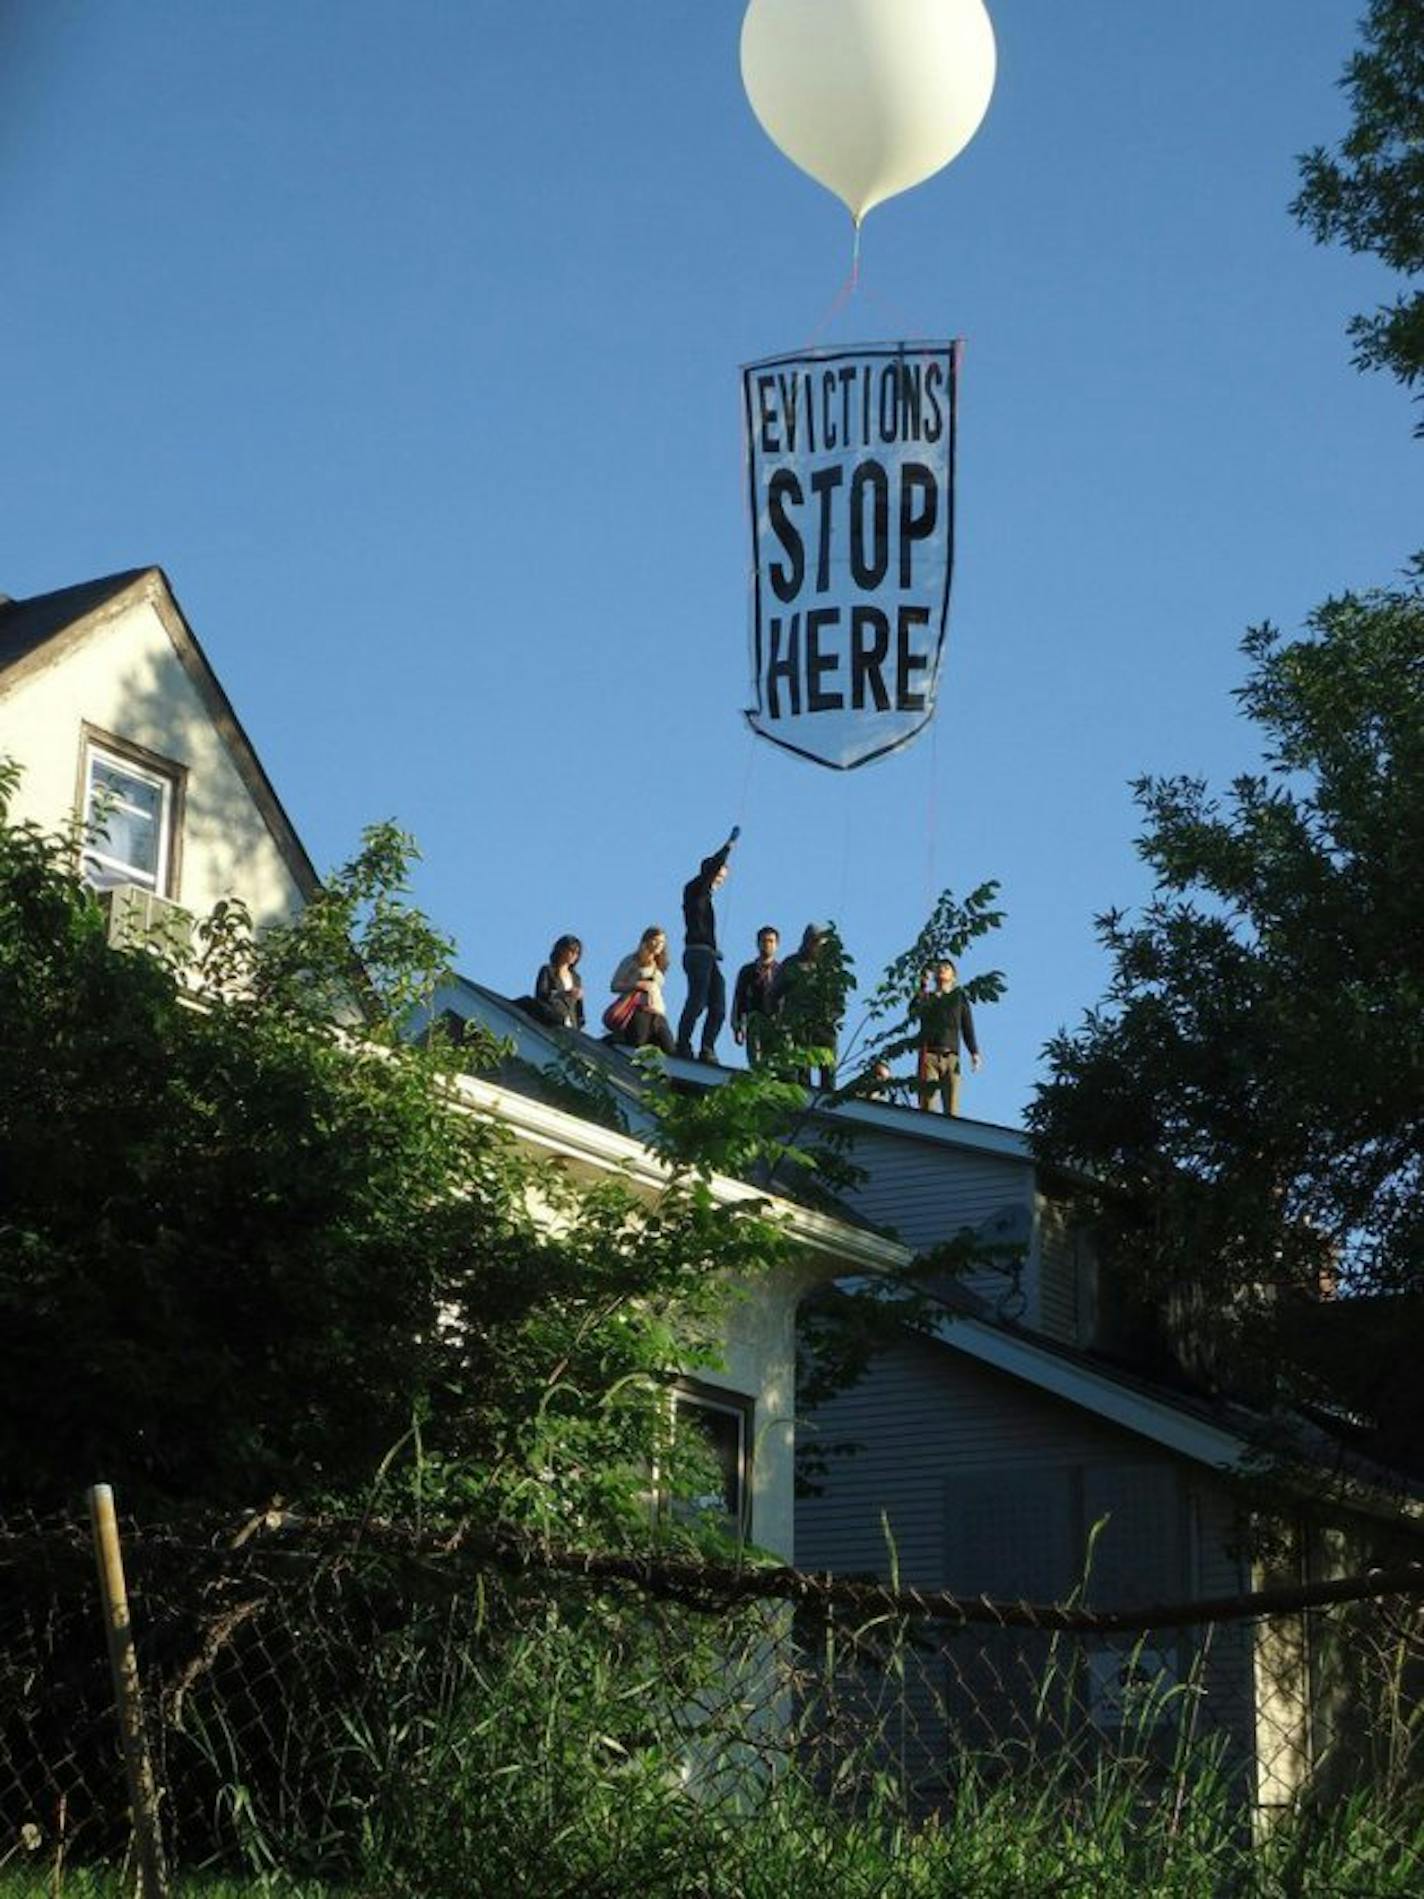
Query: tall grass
(609, 1750)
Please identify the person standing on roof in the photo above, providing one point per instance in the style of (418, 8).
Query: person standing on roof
(701, 959)
(945, 1017)
(807, 998)
(751, 999)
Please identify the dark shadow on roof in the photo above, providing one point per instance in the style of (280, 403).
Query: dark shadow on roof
(26, 625)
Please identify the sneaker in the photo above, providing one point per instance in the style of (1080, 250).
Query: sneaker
(684, 1051)
(709, 1055)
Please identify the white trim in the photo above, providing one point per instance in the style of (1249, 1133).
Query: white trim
(1099, 1393)
(690, 1394)
(982, 1137)
(567, 1137)
(1219, 1449)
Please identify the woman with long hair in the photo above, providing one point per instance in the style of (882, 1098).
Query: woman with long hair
(641, 973)
(558, 990)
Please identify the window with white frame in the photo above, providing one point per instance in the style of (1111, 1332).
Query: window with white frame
(128, 820)
(723, 1421)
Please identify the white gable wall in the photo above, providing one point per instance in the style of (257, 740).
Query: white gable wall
(126, 679)
(759, 1352)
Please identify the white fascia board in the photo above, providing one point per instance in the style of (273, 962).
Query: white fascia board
(568, 1137)
(940, 1130)
(981, 1137)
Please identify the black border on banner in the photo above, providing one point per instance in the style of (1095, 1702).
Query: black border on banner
(955, 348)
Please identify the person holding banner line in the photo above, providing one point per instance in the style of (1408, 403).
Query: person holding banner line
(706, 986)
(641, 973)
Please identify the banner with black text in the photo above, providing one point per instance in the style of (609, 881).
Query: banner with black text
(850, 460)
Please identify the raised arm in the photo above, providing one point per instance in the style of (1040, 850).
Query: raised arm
(710, 866)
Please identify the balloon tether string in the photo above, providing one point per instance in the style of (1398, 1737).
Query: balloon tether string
(843, 296)
(932, 820)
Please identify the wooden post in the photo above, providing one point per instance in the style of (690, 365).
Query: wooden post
(123, 1660)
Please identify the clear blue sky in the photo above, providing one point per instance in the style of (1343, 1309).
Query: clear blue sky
(406, 337)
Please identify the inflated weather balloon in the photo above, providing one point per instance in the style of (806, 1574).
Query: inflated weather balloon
(869, 96)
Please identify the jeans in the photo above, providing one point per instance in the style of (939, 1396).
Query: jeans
(706, 989)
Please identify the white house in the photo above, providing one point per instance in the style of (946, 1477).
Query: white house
(989, 1447)
(992, 1448)
(116, 718)
(108, 702)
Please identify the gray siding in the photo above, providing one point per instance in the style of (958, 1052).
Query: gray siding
(986, 1486)
(1058, 1290)
(925, 1192)
(922, 1413)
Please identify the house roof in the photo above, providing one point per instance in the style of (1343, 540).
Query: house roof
(908, 1123)
(1214, 1432)
(570, 1137)
(537, 1046)
(911, 1123)
(40, 631)
(26, 625)
(541, 1052)
(1224, 1435)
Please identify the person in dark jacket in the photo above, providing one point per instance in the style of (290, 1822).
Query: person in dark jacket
(802, 1001)
(701, 959)
(558, 989)
(945, 1019)
(751, 999)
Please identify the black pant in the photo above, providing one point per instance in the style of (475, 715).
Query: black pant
(706, 989)
(647, 1027)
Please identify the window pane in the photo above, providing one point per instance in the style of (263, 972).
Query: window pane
(722, 1432)
(128, 813)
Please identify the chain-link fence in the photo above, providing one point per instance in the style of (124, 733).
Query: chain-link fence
(395, 1712)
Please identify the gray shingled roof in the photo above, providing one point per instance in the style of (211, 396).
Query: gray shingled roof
(27, 624)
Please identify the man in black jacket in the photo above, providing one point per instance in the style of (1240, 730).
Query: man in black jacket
(701, 959)
(945, 1017)
(751, 999)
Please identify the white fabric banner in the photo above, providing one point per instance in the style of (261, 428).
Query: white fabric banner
(850, 462)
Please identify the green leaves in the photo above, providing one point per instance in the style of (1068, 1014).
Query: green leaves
(1251, 1092)
(1369, 194)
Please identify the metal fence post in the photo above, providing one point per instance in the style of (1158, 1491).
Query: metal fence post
(123, 1660)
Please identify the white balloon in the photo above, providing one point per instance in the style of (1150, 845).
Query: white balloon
(869, 96)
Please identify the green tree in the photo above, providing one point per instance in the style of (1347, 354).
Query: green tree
(1369, 193)
(250, 1242)
(1250, 1094)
